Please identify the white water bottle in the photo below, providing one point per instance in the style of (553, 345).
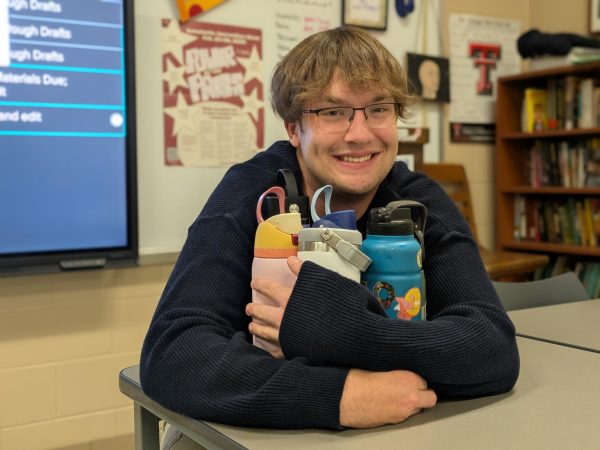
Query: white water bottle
(331, 246)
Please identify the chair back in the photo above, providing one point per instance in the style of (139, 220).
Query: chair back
(453, 179)
(563, 288)
(498, 263)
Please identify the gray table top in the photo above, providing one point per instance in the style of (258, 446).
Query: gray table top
(574, 324)
(553, 406)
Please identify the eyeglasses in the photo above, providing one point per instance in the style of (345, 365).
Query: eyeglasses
(338, 119)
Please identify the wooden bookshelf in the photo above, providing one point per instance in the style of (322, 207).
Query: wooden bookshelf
(563, 134)
(512, 160)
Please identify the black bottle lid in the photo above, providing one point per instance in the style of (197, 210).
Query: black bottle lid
(390, 222)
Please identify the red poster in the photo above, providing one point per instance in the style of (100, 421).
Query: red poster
(213, 93)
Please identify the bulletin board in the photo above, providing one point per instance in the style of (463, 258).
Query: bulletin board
(170, 197)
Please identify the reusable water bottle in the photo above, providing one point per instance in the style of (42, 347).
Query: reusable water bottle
(394, 243)
(276, 239)
(293, 196)
(333, 241)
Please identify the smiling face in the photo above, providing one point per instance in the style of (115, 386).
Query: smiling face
(354, 162)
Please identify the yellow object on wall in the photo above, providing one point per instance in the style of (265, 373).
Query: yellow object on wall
(190, 8)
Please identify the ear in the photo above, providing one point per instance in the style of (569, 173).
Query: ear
(293, 128)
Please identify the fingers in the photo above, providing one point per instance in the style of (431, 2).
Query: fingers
(425, 397)
(278, 293)
(378, 398)
(268, 315)
(413, 379)
(428, 399)
(264, 332)
(419, 395)
(294, 263)
(266, 321)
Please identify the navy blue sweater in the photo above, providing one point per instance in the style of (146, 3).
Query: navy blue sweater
(198, 360)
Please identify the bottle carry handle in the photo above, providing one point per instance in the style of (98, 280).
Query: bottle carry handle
(327, 189)
(345, 249)
(279, 192)
(419, 215)
(285, 177)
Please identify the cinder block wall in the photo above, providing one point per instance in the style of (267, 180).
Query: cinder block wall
(64, 337)
(63, 340)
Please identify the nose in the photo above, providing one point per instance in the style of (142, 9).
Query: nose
(359, 130)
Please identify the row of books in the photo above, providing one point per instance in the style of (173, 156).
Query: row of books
(574, 163)
(572, 221)
(587, 271)
(564, 103)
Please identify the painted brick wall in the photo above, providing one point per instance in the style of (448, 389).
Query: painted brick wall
(64, 337)
(63, 340)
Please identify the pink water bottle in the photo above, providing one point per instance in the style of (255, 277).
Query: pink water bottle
(276, 239)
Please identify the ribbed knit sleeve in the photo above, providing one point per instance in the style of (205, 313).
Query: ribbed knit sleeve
(197, 358)
(467, 347)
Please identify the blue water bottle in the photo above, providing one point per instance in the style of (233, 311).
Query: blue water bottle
(394, 243)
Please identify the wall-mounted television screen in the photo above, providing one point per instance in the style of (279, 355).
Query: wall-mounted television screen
(67, 135)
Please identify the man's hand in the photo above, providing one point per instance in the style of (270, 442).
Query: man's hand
(371, 399)
(266, 319)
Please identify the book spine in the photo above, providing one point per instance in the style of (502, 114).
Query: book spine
(570, 101)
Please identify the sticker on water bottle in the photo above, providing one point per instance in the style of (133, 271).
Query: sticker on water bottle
(410, 305)
(405, 308)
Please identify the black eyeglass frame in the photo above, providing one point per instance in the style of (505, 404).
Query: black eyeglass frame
(363, 109)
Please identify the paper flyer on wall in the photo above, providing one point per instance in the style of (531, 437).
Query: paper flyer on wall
(482, 49)
(296, 19)
(213, 93)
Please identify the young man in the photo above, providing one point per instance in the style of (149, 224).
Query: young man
(343, 363)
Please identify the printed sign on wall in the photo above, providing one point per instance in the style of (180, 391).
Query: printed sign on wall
(482, 49)
(212, 93)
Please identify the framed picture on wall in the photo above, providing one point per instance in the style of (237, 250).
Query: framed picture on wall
(371, 14)
(595, 16)
(429, 76)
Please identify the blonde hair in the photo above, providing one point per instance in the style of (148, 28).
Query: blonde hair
(359, 59)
